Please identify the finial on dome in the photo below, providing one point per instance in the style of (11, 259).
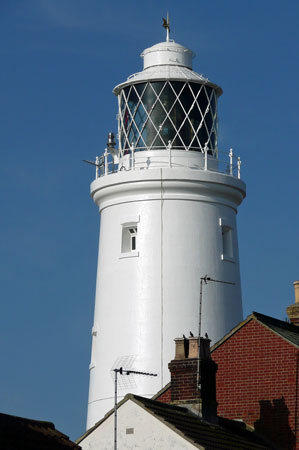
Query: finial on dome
(166, 26)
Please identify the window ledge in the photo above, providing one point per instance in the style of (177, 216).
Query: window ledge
(131, 254)
(227, 258)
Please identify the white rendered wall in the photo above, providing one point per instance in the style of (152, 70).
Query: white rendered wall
(143, 302)
(148, 432)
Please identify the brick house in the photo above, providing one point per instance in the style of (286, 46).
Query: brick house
(257, 380)
(257, 377)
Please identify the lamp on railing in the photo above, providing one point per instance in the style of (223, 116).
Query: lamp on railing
(111, 141)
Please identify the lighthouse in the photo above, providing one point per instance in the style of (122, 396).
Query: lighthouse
(168, 200)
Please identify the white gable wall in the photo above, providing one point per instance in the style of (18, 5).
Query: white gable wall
(149, 433)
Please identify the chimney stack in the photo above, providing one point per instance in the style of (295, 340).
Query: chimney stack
(193, 377)
(293, 310)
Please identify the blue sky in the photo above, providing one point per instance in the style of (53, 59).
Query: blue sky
(60, 60)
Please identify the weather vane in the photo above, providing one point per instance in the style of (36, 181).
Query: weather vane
(166, 26)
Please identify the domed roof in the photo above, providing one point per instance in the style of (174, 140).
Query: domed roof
(168, 52)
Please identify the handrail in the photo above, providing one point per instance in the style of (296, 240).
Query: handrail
(222, 162)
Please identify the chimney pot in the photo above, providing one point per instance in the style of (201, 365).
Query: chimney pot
(205, 348)
(193, 347)
(179, 348)
(293, 310)
(296, 289)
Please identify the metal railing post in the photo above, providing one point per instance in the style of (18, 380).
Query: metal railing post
(239, 167)
(169, 149)
(132, 148)
(206, 156)
(231, 155)
(106, 162)
(97, 166)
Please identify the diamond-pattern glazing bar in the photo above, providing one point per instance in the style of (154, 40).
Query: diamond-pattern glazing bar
(154, 113)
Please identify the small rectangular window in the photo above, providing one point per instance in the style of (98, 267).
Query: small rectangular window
(129, 238)
(227, 241)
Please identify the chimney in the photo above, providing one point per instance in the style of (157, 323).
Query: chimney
(293, 310)
(193, 377)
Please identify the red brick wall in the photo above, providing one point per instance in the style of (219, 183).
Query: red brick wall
(184, 379)
(165, 397)
(256, 382)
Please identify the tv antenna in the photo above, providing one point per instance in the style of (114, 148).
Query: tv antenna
(126, 372)
(205, 280)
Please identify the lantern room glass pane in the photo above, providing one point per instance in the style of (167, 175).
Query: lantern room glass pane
(213, 102)
(139, 88)
(133, 101)
(149, 97)
(140, 116)
(167, 132)
(177, 86)
(167, 97)
(158, 86)
(177, 115)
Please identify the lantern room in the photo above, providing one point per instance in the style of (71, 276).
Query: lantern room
(167, 104)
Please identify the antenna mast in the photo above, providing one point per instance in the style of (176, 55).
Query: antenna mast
(204, 280)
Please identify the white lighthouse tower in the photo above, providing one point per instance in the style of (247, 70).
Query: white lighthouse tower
(168, 200)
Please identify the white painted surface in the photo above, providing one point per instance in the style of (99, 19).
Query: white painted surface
(167, 53)
(149, 433)
(144, 302)
(149, 297)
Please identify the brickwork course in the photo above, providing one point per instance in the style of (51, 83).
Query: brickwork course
(183, 380)
(164, 395)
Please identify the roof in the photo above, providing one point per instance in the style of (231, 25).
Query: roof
(18, 432)
(167, 72)
(167, 61)
(287, 331)
(226, 435)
